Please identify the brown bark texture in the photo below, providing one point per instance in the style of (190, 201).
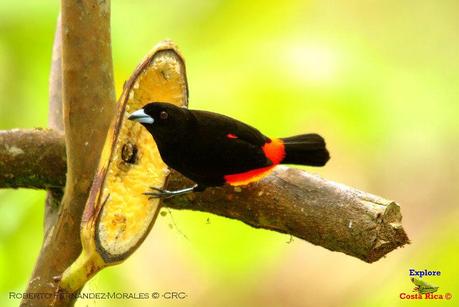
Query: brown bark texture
(88, 107)
(298, 203)
(55, 121)
(32, 158)
(306, 206)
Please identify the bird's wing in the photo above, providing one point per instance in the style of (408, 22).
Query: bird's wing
(239, 145)
(230, 127)
(248, 134)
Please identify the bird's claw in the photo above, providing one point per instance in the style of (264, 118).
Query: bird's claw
(164, 194)
(159, 193)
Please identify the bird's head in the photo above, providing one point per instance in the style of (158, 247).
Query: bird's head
(160, 118)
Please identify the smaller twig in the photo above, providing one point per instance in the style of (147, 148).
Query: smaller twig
(55, 121)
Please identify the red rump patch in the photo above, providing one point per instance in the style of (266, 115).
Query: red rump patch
(231, 136)
(274, 151)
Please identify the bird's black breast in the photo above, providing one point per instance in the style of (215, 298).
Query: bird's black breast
(212, 146)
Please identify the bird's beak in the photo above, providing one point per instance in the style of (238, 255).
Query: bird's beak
(141, 117)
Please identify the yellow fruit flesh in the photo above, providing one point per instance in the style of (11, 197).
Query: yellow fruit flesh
(118, 215)
(127, 213)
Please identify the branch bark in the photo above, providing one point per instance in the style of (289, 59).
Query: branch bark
(294, 202)
(89, 101)
(309, 207)
(55, 121)
(32, 158)
(55, 113)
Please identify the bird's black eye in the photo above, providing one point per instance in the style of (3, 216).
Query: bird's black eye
(163, 115)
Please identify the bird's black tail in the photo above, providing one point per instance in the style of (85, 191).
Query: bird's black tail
(305, 149)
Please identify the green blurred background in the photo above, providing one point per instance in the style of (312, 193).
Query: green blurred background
(379, 79)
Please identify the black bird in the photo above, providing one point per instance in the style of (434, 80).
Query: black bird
(213, 149)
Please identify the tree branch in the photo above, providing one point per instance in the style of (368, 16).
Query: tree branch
(290, 201)
(55, 121)
(88, 101)
(32, 158)
(306, 206)
(55, 113)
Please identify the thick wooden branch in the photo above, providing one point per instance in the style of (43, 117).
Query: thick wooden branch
(309, 207)
(88, 106)
(294, 202)
(32, 158)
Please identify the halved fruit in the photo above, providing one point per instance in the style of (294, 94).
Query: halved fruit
(117, 215)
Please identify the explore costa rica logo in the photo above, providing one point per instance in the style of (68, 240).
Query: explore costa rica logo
(424, 289)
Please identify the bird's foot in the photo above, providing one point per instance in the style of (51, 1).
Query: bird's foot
(164, 194)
